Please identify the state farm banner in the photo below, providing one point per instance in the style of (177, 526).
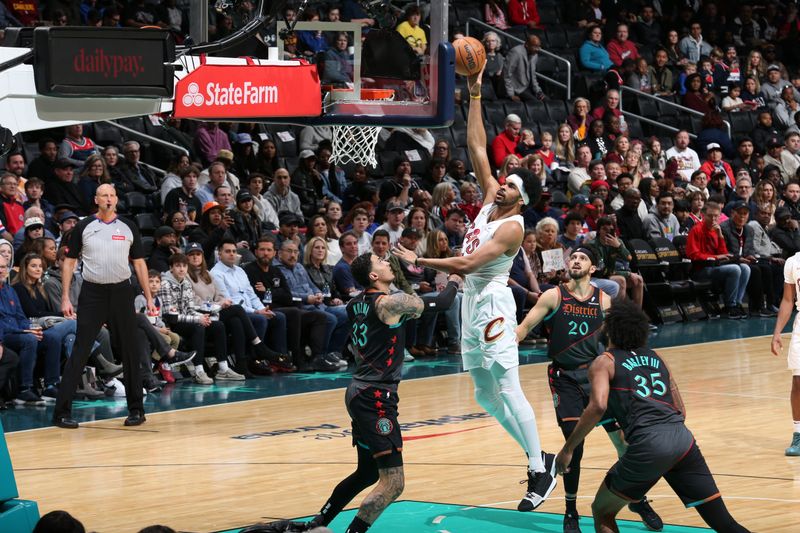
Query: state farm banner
(248, 91)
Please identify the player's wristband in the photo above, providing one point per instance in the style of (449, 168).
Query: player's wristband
(475, 97)
(416, 262)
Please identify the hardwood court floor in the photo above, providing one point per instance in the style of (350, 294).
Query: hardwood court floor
(222, 466)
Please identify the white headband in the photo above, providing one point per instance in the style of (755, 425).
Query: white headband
(516, 180)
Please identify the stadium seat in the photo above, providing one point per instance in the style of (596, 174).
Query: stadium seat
(549, 15)
(556, 38)
(658, 298)
(647, 107)
(634, 127)
(517, 108)
(135, 202)
(105, 135)
(494, 112)
(678, 276)
(537, 112)
(740, 123)
(148, 243)
(147, 222)
(459, 132)
(557, 110)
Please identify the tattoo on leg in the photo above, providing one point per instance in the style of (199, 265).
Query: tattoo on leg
(390, 486)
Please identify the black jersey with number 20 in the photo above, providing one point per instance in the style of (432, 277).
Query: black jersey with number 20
(575, 328)
(378, 347)
(640, 395)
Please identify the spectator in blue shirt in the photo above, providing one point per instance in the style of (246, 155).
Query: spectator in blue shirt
(593, 54)
(312, 299)
(342, 277)
(235, 285)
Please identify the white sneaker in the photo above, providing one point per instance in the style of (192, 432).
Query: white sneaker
(229, 375)
(201, 378)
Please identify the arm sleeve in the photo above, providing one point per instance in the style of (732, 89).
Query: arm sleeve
(441, 301)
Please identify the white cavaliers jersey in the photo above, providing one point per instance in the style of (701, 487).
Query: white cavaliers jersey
(791, 275)
(479, 233)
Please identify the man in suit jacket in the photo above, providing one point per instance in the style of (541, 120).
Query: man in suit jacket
(520, 72)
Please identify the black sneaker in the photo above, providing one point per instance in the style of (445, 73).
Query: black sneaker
(650, 518)
(732, 313)
(572, 523)
(182, 357)
(28, 397)
(540, 485)
(320, 364)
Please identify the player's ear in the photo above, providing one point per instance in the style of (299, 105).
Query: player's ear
(592, 269)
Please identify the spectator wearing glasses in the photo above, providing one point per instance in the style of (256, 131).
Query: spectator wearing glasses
(133, 175)
(742, 194)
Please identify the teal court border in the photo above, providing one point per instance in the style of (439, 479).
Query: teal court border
(422, 517)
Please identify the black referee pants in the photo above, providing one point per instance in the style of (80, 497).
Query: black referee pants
(99, 304)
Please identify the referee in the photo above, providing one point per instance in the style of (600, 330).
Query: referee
(106, 243)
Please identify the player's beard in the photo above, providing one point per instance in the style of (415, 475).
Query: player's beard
(505, 201)
(578, 274)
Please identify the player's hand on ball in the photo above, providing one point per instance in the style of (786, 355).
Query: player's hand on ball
(474, 83)
(563, 459)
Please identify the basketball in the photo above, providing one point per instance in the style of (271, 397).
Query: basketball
(470, 56)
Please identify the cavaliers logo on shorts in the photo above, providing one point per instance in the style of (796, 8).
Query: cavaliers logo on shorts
(384, 426)
(556, 400)
(494, 329)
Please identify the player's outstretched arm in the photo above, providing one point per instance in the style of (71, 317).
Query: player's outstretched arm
(476, 140)
(507, 237)
(600, 375)
(544, 306)
(393, 307)
(784, 313)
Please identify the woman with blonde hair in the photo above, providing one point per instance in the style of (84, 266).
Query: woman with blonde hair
(755, 66)
(634, 165)
(318, 227)
(320, 271)
(443, 198)
(93, 174)
(565, 145)
(535, 163)
(510, 163)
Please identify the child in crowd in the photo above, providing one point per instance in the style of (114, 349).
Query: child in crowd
(548, 156)
(164, 342)
(734, 102)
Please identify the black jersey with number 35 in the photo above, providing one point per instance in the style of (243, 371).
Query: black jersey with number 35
(575, 328)
(378, 347)
(640, 395)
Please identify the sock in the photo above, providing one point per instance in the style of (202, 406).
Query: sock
(199, 369)
(572, 505)
(256, 341)
(797, 426)
(357, 526)
(223, 366)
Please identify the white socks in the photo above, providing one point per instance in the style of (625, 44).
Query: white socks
(797, 426)
(223, 366)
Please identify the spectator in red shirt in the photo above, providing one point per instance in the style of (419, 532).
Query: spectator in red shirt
(714, 163)
(705, 246)
(523, 13)
(506, 143)
(13, 212)
(620, 48)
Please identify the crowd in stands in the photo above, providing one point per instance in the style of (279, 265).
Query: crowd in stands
(251, 231)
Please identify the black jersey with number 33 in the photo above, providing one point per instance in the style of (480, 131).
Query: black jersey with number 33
(640, 395)
(378, 347)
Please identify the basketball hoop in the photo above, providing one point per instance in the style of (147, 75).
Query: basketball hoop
(357, 143)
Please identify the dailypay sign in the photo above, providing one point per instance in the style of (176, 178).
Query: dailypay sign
(248, 91)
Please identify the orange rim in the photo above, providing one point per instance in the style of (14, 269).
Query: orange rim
(370, 94)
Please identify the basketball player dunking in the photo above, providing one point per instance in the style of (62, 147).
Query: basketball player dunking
(573, 312)
(633, 384)
(488, 347)
(377, 339)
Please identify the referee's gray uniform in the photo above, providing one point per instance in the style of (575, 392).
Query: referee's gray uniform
(106, 297)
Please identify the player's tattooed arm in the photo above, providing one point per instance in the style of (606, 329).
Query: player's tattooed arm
(389, 488)
(391, 308)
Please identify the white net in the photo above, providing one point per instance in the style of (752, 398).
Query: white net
(355, 144)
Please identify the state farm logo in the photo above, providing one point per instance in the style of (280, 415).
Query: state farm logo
(216, 94)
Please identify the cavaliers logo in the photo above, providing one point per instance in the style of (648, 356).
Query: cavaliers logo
(384, 426)
(494, 329)
(556, 400)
